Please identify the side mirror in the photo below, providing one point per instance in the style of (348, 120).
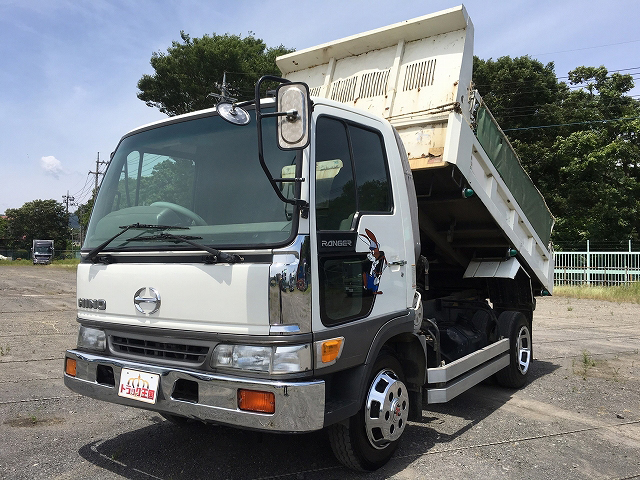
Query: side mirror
(294, 127)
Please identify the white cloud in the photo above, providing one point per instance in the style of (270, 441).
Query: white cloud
(51, 165)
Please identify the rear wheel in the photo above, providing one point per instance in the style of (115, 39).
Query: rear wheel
(370, 437)
(515, 327)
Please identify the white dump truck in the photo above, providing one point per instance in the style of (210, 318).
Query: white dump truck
(340, 256)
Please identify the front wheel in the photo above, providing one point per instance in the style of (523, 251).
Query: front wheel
(515, 327)
(370, 437)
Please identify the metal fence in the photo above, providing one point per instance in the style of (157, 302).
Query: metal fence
(596, 268)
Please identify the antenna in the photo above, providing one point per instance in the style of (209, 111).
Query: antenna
(227, 106)
(225, 95)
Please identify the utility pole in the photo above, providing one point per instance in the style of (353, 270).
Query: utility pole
(97, 172)
(67, 198)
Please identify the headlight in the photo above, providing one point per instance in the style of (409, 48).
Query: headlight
(92, 338)
(292, 359)
(267, 359)
(247, 357)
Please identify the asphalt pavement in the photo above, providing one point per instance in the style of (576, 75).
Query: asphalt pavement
(577, 418)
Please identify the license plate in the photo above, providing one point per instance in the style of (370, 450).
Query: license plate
(137, 385)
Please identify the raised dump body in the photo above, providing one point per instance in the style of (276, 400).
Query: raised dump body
(480, 214)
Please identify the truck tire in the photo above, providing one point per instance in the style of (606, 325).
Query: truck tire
(515, 327)
(368, 439)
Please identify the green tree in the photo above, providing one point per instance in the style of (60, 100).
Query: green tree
(83, 212)
(188, 73)
(4, 230)
(521, 92)
(597, 200)
(39, 219)
(585, 163)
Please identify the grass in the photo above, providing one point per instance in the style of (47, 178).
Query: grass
(619, 294)
(66, 263)
(583, 368)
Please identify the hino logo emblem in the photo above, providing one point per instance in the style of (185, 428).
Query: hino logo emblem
(99, 304)
(154, 300)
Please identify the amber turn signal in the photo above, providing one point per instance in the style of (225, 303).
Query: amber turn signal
(70, 366)
(331, 350)
(256, 401)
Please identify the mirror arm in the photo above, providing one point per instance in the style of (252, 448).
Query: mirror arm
(259, 116)
(290, 113)
(289, 180)
(246, 103)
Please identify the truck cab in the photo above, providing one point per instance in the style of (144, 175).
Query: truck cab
(42, 252)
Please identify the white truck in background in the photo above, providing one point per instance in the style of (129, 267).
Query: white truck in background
(42, 252)
(339, 260)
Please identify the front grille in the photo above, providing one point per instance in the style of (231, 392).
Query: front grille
(153, 349)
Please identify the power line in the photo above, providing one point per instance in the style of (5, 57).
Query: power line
(552, 108)
(542, 88)
(573, 123)
(86, 190)
(566, 76)
(86, 182)
(567, 103)
(585, 48)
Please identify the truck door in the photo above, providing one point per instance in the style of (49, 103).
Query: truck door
(358, 223)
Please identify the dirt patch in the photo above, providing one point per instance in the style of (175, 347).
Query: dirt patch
(34, 421)
(616, 368)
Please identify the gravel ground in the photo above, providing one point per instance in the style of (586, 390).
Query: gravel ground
(578, 417)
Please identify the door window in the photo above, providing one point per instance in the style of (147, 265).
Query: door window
(335, 187)
(351, 179)
(374, 194)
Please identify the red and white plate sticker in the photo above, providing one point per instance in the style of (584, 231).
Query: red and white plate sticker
(137, 385)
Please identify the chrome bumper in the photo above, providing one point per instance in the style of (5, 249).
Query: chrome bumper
(299, 405)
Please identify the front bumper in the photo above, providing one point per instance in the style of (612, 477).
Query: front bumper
(299, 405)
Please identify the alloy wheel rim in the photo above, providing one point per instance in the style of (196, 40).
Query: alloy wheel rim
(387, 409)
(524, 350)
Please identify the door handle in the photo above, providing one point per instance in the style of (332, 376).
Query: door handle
(400, 263)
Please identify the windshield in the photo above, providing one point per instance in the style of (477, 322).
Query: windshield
(43, 249)
(200, 173)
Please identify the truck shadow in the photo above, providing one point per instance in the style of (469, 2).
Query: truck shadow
(163, 450)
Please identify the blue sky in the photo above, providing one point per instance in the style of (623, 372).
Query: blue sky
(69, 68)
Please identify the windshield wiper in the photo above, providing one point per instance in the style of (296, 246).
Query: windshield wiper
(94, 253)
(163, 236)
(218, 256)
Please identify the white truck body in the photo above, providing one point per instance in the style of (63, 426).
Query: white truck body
(334, 282)
(417, 75)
